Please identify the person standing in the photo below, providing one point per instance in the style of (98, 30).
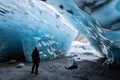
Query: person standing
(35, 60)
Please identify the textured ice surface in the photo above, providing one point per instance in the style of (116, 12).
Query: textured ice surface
(91, 6)
(82, 22)
(28, 23)
(106, 12)
(51, 25)
(109, 17)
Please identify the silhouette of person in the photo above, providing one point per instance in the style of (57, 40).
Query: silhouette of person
(35, 60)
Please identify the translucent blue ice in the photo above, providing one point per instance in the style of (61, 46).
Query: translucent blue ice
(103, 40)
(33, 23)
(52, 26)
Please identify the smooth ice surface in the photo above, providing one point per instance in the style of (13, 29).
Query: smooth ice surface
(108, 14)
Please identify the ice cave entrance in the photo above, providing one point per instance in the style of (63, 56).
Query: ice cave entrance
(81, 49)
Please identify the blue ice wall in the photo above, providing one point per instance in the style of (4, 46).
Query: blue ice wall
(10, 42)
(30, 23)
(51, 25)
(82, 22)
(109, 18)
(103, 40)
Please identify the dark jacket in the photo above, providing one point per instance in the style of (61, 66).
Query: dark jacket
(35, 55)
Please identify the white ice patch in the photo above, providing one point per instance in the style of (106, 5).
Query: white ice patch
(82, 51)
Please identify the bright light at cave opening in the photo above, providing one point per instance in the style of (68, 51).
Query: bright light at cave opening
(82, 50)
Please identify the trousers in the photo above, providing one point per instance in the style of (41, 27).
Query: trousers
(35, 67)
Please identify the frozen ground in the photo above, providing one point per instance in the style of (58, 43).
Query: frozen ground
(54, 70)
(89, 68)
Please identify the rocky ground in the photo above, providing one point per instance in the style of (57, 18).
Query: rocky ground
(55, 70)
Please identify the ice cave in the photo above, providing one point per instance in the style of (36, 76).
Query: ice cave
(52, 26)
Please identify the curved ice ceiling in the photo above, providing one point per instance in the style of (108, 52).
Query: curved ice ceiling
(107, 12)
(29, 23)
(51, 25)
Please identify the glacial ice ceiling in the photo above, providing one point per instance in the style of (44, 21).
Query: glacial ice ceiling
(52, 25)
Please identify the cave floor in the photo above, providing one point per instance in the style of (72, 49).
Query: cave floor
(55, 70)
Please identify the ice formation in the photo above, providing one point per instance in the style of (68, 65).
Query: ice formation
(104, 40)
(107, 13)
(53, 24)
(25, 24)
(82, 51)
